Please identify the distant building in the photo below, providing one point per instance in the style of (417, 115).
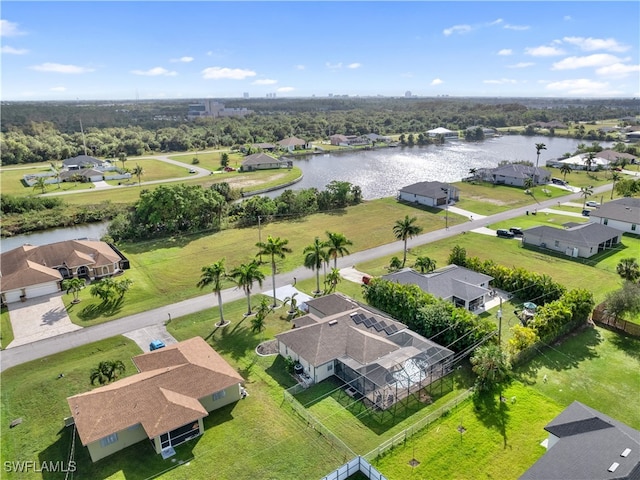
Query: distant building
(245, 95)
(407, 94)
(445, 132)
(212, 109)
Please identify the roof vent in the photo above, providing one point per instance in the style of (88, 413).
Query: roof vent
(614, 466)
(626, 452)
(333, 322)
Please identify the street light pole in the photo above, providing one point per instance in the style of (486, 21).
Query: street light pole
(260, 234)
(446, 210)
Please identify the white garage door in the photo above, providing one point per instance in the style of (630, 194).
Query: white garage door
(42, 289)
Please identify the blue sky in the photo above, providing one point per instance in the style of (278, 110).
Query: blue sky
(149, 49)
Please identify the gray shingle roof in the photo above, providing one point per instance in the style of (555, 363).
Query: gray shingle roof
(587, 234)
(520, 171)
(588, 444)
(261, 159)
(623, 209)
(429, 189)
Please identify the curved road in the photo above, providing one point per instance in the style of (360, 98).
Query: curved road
(42, 348)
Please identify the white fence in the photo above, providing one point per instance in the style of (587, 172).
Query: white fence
(358, 464)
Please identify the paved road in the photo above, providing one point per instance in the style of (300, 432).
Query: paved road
(43, 348)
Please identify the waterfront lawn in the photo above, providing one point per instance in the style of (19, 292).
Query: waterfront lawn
(487, 199)
(209, 160)
(6, 332)
(11, 182)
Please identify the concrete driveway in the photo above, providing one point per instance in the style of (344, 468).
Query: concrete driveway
(144, 336)
(39, 318)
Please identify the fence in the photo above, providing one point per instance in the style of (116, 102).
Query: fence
(534, 349)
(314, 423)
(402, 437)
(357, 464)
(601, 317)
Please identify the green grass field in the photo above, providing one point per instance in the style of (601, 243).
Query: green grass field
(6, 332)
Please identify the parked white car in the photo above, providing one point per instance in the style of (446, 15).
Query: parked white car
(592, 203)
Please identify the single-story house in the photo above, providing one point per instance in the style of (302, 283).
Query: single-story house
(516, 174)
(261, 161)
(585, 443)
(33, 271)
(622, 214)
(83, 161)
(462, 286)
(375, 355)
(445, 132)
(267, 147)
(633, 136)
(612, 156)
(374, 137)
(579, 162)
(349, 140)
(293, 143)
(431, 194)
(584, 240)
(85, 175)
(176, 387)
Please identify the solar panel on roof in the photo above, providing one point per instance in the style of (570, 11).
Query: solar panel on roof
(368, 322)
(379, 326)
(358, 318)
(391, 329)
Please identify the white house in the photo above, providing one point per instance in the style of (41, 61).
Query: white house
(622, 214)
(431, 194)
(584, 240)
(445, 132)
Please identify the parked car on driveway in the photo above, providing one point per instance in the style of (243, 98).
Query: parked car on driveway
(516, 231)
(586, 213)
(156, 344)
(592, 203)
(504, 233)
(192, 170)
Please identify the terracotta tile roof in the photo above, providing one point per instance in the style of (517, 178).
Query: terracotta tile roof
(162, 397)
(291, 142)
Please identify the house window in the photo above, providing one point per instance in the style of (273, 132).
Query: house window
(330, 367)
(113, 438)
(633, 227)
(219, 395)
(557, 243)
(606, 221)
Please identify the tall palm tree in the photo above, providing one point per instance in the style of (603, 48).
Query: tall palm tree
(589, 160)
(106, 371)
(138, 172)
(73, 285)
(314, 256)
(337, 245)
(425, 264)
(565, 169)
(628, 269)
(539, 148)
(615, 176)
(56, 173)
(213, 275)
(245, 276)
(585, 192)
(122, 157)
(274, 247)
(405, 229)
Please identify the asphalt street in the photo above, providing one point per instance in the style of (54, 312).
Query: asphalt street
(49, 346)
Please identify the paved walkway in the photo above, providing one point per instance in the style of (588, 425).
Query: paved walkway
(49, 346)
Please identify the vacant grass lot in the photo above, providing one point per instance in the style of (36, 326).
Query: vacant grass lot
(504, 441)
(209, 160)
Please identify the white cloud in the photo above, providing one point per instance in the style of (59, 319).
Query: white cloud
(60, 68)
(596, 60)
(517, 27)
(505, 52)
(497, 21)
(567, 18)
(543, 51)
(590, 44)
(353, 66)
(617, 70)
(300, 67)
(58, 89)
(436, 81)
(522, 65)
(10, 29)
(333, 66)
(155, 72)
(220, 73)
(13, 51)
(580, 86)
(264, 81)
(501, 81)
(457, 29)
(285, 89)
(182, 59)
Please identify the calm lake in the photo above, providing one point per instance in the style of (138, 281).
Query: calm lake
(380, 173)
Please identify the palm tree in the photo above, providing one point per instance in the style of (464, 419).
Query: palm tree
(245, 276)
(589, 160)
(405, 229)
(565, 169)
(40, 184)
(106, 371)
(293, 302)
(213, 275)
(585, 192)
(315, 254)
(473, 172)
(528, 183)
(275, 247)
(122, 287)
(539, 148)
(615, 176)
(73, 285)
(258, 322)
(138, 172)
(337, 244)
(333, 278)
(628, 269)
(425, 264)
(123, 158)
(56, 173)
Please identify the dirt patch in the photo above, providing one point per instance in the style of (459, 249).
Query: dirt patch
(488, 200)
(244, 182)
(270, 347)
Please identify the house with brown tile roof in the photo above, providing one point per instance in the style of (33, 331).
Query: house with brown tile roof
(176, 387)
(33, 271)
(376, 356)
(261, 161)
(293, 143)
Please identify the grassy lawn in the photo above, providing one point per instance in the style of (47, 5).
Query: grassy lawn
(11, 182)
(6, 332)
(503, 442)
(541, 218)
(209, 160)
(166, 271)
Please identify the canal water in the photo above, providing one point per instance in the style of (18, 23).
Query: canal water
(380, 173)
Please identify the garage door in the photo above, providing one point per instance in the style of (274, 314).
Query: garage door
(42, 289)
